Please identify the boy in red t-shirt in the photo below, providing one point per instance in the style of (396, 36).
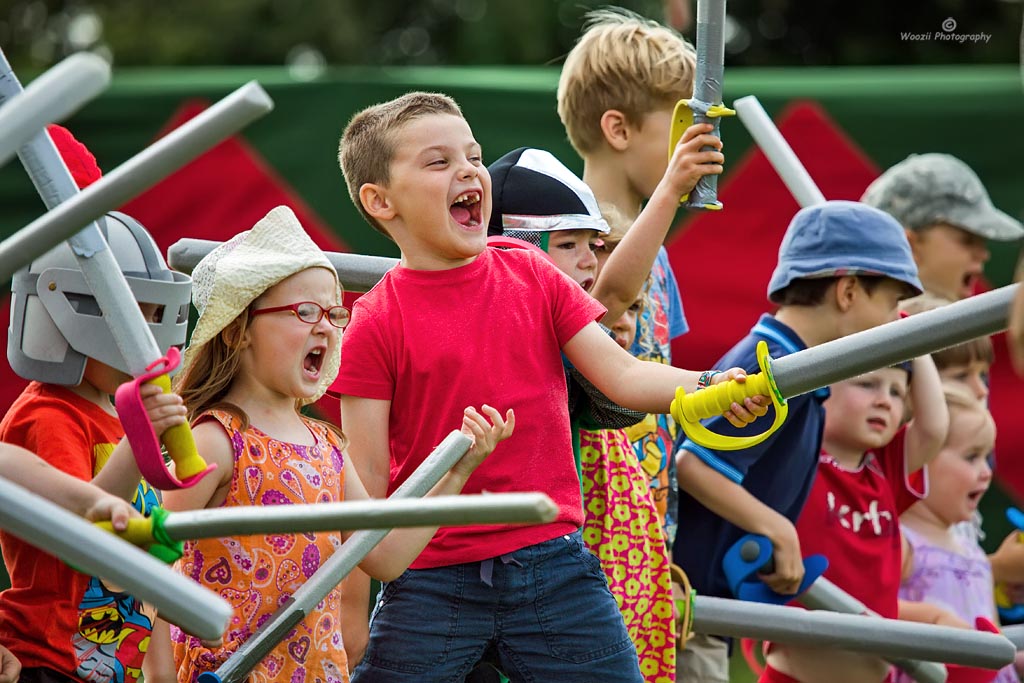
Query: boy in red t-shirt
(869, 472)
(455, 321)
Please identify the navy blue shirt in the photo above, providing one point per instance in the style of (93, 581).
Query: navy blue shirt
(778, 471)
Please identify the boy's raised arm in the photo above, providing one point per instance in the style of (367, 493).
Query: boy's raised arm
(628, 266)
(927, 431)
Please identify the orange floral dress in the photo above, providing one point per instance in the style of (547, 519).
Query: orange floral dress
(255, 574)
(622, 528)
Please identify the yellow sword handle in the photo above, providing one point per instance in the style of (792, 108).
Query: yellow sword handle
(689, 409)
(682, 118)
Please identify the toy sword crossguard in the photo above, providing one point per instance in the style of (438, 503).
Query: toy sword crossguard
(706, 104)
(689, 409)
(752, 555)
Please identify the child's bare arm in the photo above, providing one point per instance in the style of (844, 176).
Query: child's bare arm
(641, 385)
(927, 613)
(400, 547)
(355, 622)
(158, 665)
(215, 446)
(927, 431)
(735, 504)
(1008, 561)
(623, 275)
(33, 473)
(365, 422)
(120, 475)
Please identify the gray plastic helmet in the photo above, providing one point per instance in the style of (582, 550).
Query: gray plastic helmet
(56, 324)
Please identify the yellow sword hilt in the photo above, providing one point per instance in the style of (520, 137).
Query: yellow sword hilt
(180, 444)
(689, 409)
(682, 118)
(150, 534)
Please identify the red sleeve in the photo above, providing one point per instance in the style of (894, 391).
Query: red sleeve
(572, 308)
(366, 370)
(907, 487)
(54, 436)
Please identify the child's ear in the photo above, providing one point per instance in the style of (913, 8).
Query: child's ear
(616, 129)
(375, 201)
(846, 292)
(234, 336)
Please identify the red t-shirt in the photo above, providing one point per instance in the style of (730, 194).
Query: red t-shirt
(435, 342)
(52, 615)
(852, 518)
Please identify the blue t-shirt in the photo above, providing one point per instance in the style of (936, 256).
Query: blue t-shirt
(663, 320)
(654, 437)
(778, 471)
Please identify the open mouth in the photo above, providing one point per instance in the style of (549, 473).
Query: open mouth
(587, 284)
(974, 497)
(313, 361)
(968, 282)
(466, 209)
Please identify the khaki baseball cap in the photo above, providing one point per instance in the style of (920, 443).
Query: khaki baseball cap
(925, 189)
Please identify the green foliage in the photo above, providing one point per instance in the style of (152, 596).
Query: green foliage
(313, 33)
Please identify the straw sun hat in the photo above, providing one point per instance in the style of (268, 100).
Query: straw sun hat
(231, 276)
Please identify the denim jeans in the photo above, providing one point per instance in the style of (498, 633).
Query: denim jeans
(547, 614)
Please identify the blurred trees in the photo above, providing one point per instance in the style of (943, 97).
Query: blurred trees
(309, 34)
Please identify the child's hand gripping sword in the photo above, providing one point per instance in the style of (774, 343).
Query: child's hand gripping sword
(753, 554)
(69, 210)
(179, 600)
(165, 529)
(706, 104)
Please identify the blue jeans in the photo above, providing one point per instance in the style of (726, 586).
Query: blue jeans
(547, 614)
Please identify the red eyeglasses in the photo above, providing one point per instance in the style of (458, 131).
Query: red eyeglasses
(310, 312)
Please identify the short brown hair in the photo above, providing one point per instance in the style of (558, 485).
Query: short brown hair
(625, 62)
(367, 145)
(807, 291)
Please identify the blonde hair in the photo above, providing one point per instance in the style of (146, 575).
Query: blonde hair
(618, 222)
(367, 145)
(977, 349)
(959, 399)
(624, 62)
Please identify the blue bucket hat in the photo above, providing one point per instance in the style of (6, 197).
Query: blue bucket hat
(840, 238)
